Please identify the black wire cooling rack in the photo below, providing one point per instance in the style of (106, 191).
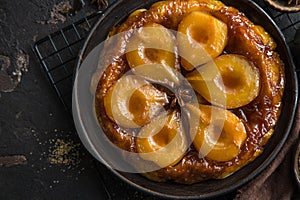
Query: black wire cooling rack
(58, 53)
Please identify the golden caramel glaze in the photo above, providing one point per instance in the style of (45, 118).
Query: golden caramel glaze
(259, 116)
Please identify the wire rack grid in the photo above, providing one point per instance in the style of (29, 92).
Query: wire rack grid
(58, 53)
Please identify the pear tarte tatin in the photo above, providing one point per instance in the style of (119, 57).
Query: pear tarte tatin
(251, 70)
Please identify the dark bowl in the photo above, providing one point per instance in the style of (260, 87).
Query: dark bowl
(116, 14)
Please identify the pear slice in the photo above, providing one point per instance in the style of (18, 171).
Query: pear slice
(230, 81)
(218, 134)
(152, 44)
(132, 102)
(201, 37)
(163, 141)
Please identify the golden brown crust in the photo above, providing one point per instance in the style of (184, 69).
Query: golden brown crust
(259, 117)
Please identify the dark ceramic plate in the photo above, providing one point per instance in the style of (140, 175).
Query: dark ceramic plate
(117, 13)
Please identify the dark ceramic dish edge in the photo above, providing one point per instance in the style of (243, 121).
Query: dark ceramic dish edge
(296, 165)
(141, 182)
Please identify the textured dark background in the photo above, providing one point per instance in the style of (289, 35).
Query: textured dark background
(33, 121)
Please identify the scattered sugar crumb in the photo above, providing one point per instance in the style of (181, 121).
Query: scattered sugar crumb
(64, 152)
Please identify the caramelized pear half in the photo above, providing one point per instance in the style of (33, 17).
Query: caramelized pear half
(229, 81)
(132, 102)
(163, 141)
(152, 44)
(201, 37)
(219, 133)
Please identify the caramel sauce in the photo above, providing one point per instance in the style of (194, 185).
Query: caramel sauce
(259, 116)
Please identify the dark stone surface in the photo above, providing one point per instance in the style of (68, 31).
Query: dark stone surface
(33, 120)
